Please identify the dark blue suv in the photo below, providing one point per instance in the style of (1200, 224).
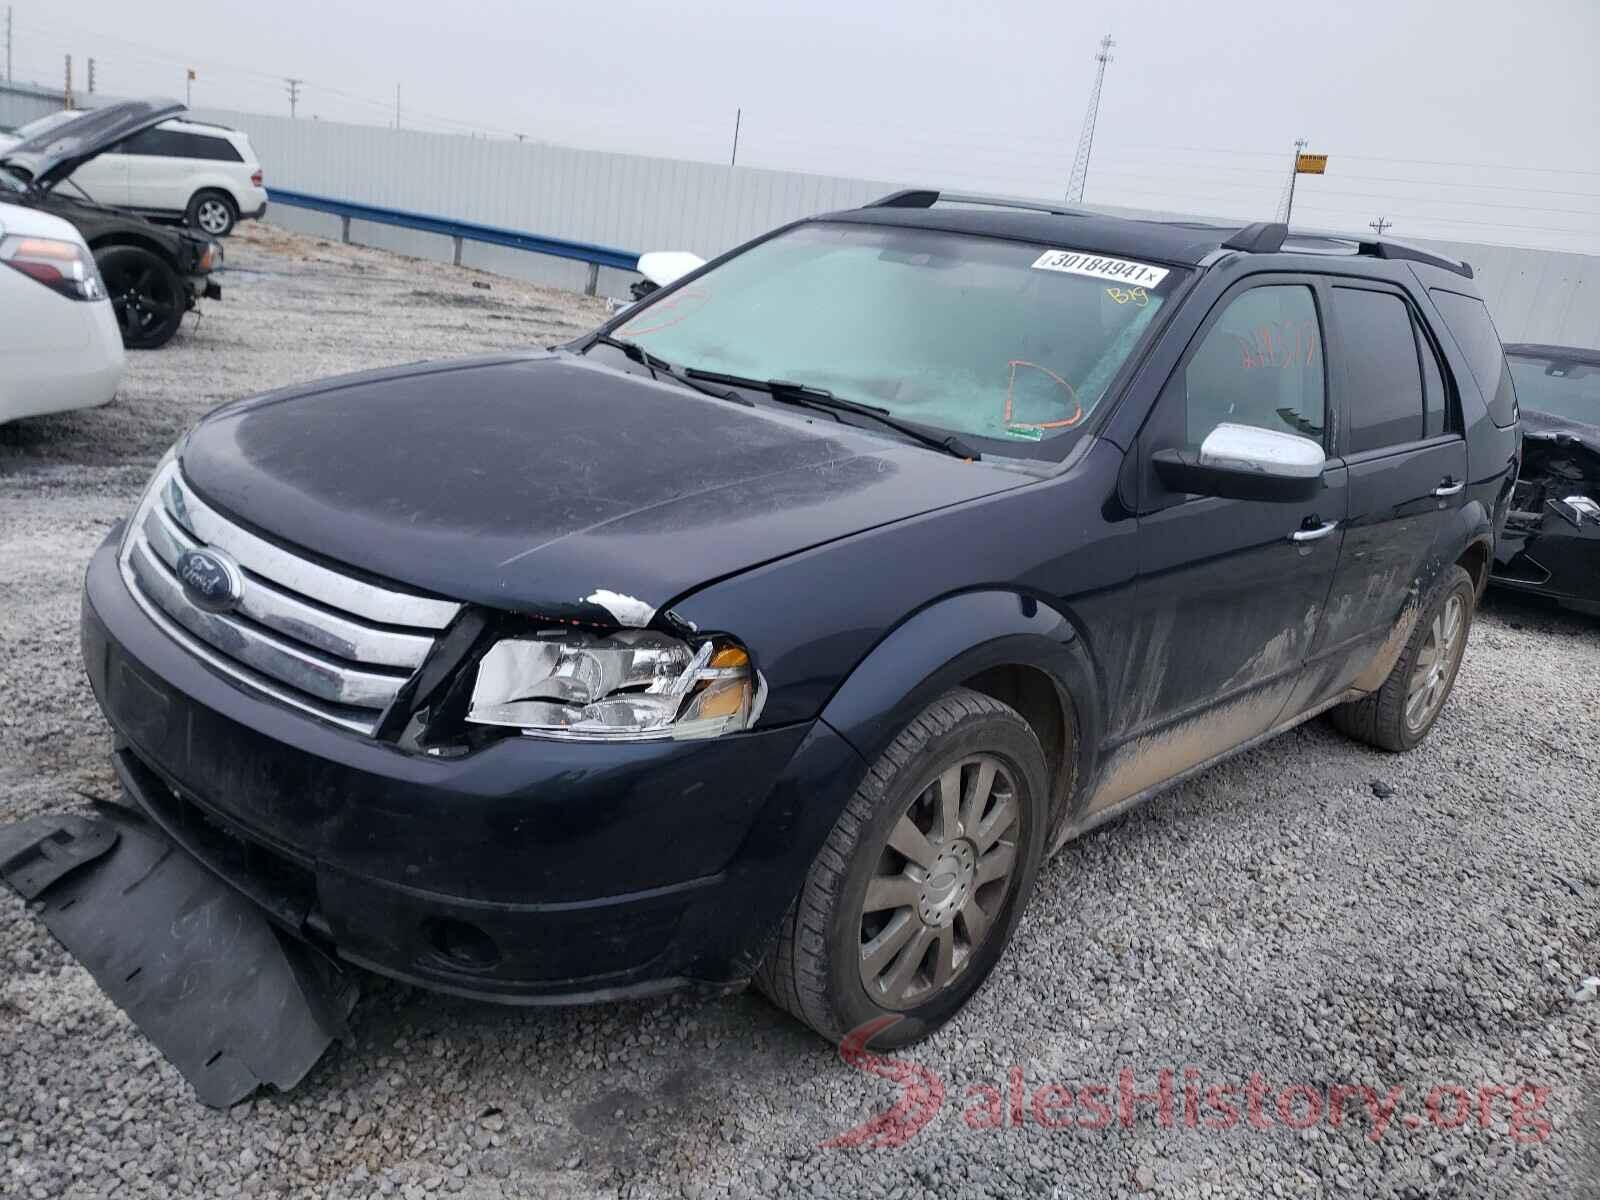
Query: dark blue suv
(780, 629)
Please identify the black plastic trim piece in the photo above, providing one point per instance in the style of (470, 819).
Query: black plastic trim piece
(1263, 237)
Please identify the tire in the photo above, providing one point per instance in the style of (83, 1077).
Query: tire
(818, 971)
(1394, 718)
(146, 294)
(213, 213)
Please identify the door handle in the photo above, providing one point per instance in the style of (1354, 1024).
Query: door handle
(1448, 489)
(1316, 534)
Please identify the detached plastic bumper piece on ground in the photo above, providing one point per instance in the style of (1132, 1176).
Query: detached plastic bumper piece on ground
(197, 966)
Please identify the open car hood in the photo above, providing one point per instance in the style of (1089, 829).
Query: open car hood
(56, 153)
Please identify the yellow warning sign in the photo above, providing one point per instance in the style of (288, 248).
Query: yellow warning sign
(1310, 164)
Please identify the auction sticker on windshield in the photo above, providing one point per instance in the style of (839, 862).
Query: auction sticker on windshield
(1098, 266)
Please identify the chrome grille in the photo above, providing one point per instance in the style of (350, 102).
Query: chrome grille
(309, 636)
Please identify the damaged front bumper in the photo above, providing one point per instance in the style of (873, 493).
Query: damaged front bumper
(231, 1003)
(530, 871)
(1551, 542)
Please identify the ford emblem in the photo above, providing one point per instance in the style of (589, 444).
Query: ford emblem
(210, 579)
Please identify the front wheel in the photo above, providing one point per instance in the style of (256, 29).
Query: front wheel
(914, 896)
(146, 294)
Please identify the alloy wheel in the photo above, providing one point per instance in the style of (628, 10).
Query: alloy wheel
(212, 216)
(940, 883)
(141, 298)
(1436, 663)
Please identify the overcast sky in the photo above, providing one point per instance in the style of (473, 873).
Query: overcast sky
(1465, 119)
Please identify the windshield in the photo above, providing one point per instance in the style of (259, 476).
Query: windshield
(1008, 341)
(1562, 387)
(11, 183)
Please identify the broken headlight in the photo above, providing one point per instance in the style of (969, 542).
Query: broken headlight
(633, 684)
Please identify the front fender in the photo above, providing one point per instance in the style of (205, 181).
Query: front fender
(949, 642)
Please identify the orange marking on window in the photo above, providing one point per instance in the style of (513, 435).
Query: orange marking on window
(1011, 383)
(672, 308)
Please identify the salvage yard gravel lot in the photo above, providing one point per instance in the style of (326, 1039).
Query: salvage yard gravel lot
(1315, 912)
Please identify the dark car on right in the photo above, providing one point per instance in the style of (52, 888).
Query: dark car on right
(1551, 543)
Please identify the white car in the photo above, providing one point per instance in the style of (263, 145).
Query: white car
(206, 175)
(60, 346)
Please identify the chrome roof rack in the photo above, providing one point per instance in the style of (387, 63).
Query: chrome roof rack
(928, 197)
(1261, 237)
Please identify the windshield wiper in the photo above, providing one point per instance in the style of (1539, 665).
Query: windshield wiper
(821, 398)
(654, 365)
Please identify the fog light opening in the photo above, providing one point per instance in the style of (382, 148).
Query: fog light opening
(461, 944)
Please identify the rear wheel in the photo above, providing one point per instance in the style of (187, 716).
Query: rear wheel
(1400, 713)
(213, 213)
(914, 896)
(146, 295)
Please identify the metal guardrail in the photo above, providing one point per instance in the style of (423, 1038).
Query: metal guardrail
(463, 231)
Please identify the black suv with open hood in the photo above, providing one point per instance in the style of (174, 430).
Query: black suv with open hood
(152, 274)
(780, 628)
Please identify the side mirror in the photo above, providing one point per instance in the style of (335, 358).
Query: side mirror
(1242, 462)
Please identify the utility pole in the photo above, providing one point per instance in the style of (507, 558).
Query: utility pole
(397, 106)
(8, 43)
(66, 94)
(91, 76)
(738, 115)
(294, 93)
(1286, 205)
(188, 87)
(1080, 164)
(1380, 225)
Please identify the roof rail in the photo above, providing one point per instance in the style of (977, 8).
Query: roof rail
(928, 197)
(1382, 248)
(1267, 237)
(1263, 237)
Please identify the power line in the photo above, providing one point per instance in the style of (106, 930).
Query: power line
(156, 54)
(1430, 162)
(1487, 224)
(1332, 191)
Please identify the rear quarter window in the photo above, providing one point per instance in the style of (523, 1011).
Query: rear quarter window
(1469, 322)
(213, 149)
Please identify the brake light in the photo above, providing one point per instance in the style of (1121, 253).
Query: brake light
(63, 267)
(255, 177)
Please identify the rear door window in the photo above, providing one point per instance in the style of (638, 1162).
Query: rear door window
(1382, 373)
(1261, 365)
(1470, 324)
(152, 143)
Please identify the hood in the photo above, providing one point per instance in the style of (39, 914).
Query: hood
(552, 484)
(1552, 427)
(56, 153)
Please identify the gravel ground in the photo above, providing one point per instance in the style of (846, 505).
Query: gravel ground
(1313, 911)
